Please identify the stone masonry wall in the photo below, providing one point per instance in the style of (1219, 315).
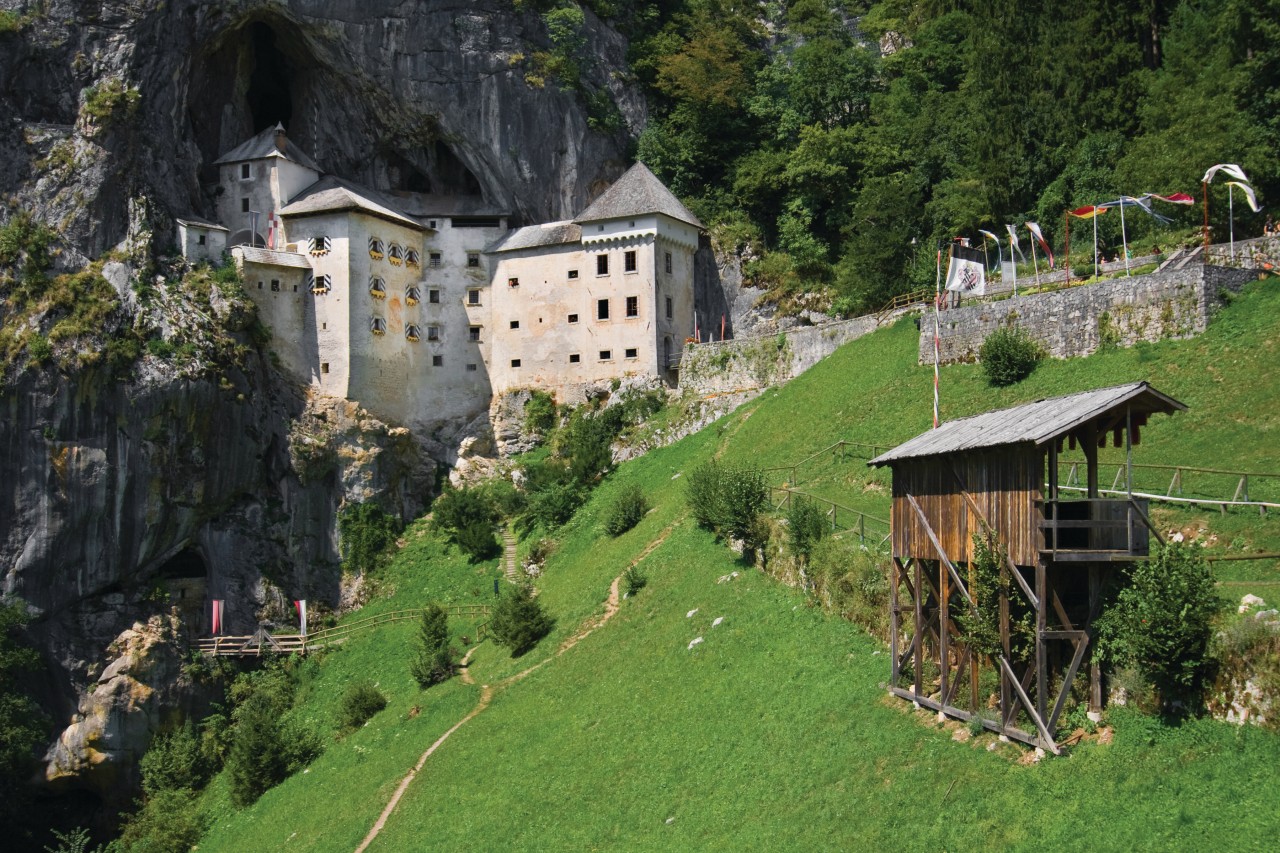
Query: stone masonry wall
(1259, 253)
(1076, 322)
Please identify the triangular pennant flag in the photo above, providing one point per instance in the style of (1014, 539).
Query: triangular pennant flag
(1230, 169)
(1248, 193)
(1044, 244)
(301, 604)
(1013, 240)
(1087, 212)
(1176, 198)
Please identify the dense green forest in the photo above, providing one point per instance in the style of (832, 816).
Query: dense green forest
(837, 142)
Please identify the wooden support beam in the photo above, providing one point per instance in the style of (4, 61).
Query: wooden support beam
(1036, 718)
(917, 639)
(894, 666)
(942, 554)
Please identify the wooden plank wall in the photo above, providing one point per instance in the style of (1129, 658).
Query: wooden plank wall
(1004, 484)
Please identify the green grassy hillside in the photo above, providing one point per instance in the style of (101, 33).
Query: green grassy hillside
(774, 731)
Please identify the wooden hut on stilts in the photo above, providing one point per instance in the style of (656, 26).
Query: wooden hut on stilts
(986, 489)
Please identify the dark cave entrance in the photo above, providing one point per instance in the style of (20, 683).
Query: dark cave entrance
(187, 564)
(269, 96)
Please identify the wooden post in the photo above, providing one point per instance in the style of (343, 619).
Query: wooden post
(1095, 670)
(1042, 657)
(917, 650)
(944, 631)
(894, 582)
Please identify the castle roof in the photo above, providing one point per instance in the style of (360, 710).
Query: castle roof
(273, 257)
(533, 236)
(264, 145)
(331, 194)
(636, 193)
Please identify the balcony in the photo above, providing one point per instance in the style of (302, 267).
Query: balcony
(1096, 529)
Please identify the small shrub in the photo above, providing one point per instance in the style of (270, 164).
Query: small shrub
(366, 532)
(519, 622)
(174, 761)
(540, 412)
(626, 511)
(634, 579)
(170, 822)
(477, 540)
(1008, 355)
(806, 525)
(433, 662)
(258, 759)
(361, 701)
(726, 499)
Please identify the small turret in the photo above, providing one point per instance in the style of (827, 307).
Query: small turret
(280, 137)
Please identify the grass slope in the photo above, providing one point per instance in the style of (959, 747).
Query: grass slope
(774, 731)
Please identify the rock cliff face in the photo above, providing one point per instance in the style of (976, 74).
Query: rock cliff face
(115, 100)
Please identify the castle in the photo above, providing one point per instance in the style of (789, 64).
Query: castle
(423, 307)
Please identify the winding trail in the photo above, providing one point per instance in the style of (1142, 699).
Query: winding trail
(487, 692)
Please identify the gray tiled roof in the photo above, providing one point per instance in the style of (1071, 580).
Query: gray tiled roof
(273, 257)
(199, 221)
(431, 204)
(264, 145)
(1037, 422)
(532, 236)
(332, 194)
(636, 193)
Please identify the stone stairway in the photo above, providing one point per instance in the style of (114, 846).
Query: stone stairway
(509, 556)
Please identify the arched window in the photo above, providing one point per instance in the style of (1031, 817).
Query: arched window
(412, 333)
(412, 296)
(320, 285)
(377, 288)
(375, 248)
(320, 245)
(395, 254)
(378, 326)
(411, 259)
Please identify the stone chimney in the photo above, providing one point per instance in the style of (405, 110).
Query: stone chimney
(280, 137)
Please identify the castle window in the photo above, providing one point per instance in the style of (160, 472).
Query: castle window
(378, 326)
(633, 306)
(431, 224)
(473, 334)
(473, 260)
(411, 295)
(377, 288)
(295, 288)
(321, 284)
(259, 285)
(412, 333)
(375, 248)
(395, 255)
(200, 240)
(320, 245)
(629, 261)
(602, 309)
(473, 296)
(670, 312)
(515, 324)
(606, 355)
(667, 261)
(471, 368)
(244, 205)
(324, 367)
(246, 171)
(574, 358)
(433, 296)
(602, 264)
(632, 352)
(515, 362)
(433, 333)
(411, 259)
(573, 318)
(573, 273)
(513, 282)
(434, 259)
(275, 285)
(437, 361)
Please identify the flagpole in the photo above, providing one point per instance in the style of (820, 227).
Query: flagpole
(1066, 250)
(1204, 188)
(1124, 240)
(1231, 217)
(1095, 243)
(1013, 262)
(937, 333)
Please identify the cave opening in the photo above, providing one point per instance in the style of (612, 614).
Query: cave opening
(269, 97)
(186, 564)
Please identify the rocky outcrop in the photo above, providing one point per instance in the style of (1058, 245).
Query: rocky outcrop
(108, 101)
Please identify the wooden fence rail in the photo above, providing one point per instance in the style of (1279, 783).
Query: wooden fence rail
(855, 519)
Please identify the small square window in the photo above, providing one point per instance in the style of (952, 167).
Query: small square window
(244, 205)
(515, 324)
(670, 312)
(602, 264)
(667, 262)
(573, 318)
(602, 309)
(324, 326)
(259, 285)
(574, 358)
(606, 355)
(437, 361)
(573, 273)
(633, 306)
(473, 334)
(515, 362)
(433, 333)
(473, 260)
(473, 297)
(513, 282)
(246, 171)
(433, 296)
(295, 288)
(431, 223)
(629, 261)
(324, 367)
(434, 259)
(632, 352)
(200, 240)
(275, 285)
(471, 368)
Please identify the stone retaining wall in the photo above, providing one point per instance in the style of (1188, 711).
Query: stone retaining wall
(1259, 253)
(1077, 321)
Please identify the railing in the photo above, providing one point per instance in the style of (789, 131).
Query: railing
(904, 300)
(1097, 529)
(870, 451)
(1174, 492)
(855, 519)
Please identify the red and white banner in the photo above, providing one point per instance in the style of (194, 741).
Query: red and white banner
(1044, 244)
(218, 604)
(1176, 198)
(301, 604)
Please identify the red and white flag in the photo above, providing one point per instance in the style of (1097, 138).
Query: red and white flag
(301, 604)
(217, 615)
(1044, 244)
(271, 230)
(1176, 198)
